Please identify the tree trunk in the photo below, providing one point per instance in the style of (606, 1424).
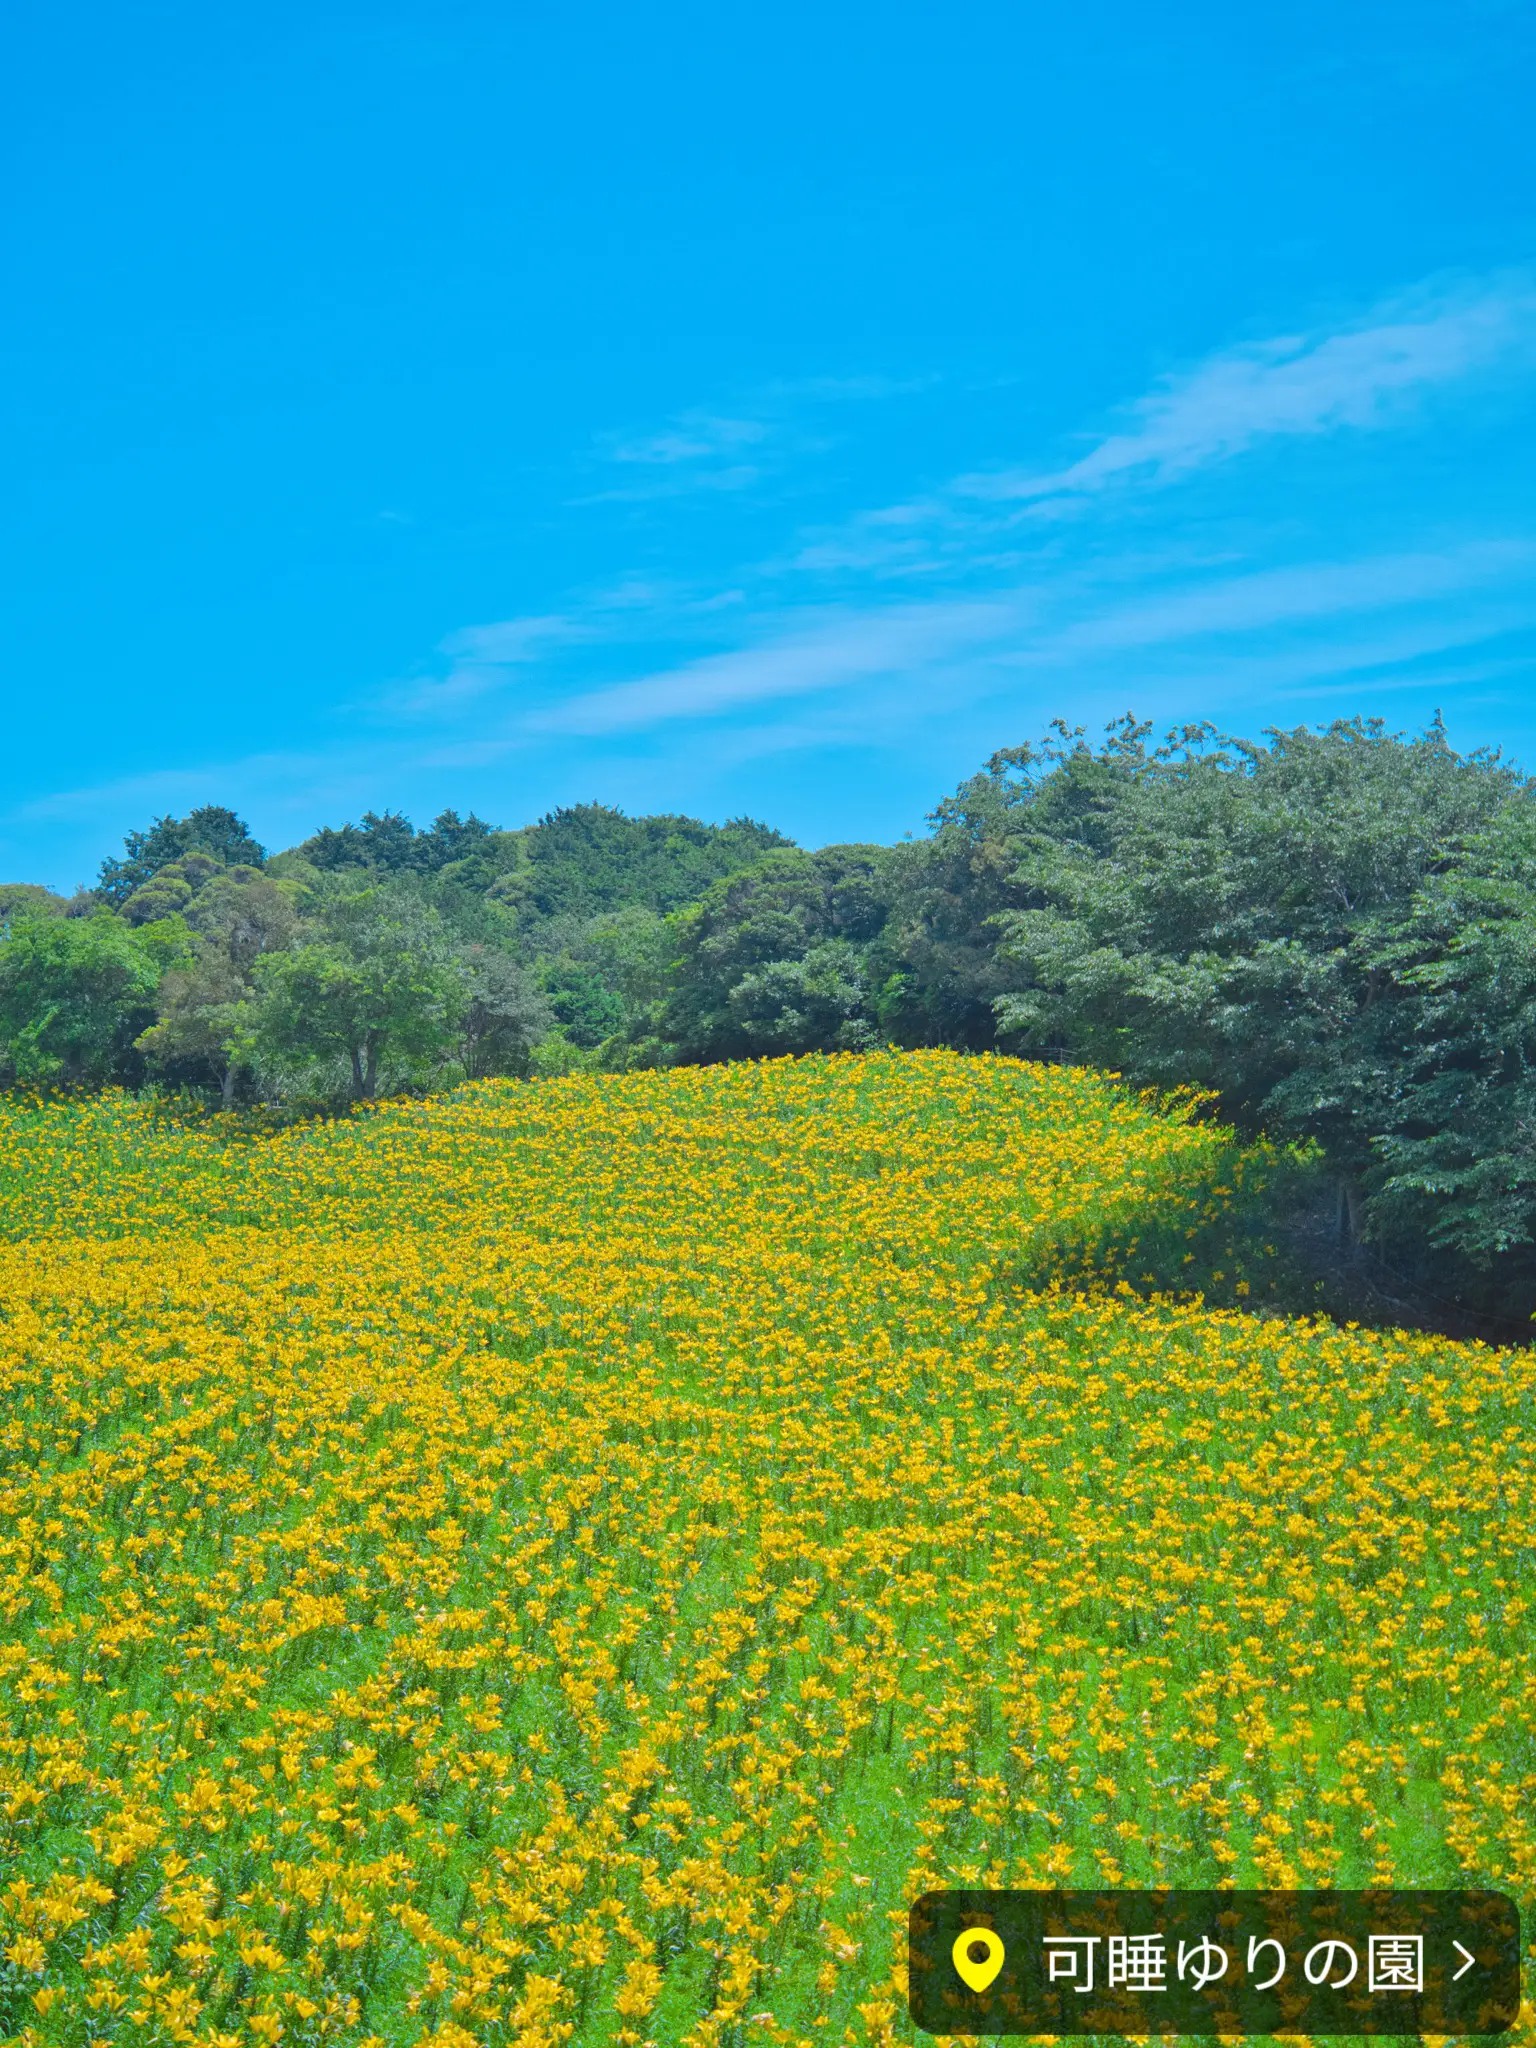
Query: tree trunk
(371, 1078)
(357, 1072)
(227, 1087)
(1349, 1214)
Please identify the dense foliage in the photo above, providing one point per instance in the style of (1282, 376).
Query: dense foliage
(211, 834)
(1332, 930)
(73, 995)
(778, 959)
(372, 957)
(568, 1564)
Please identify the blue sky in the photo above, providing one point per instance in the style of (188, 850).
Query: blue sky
(765, 409)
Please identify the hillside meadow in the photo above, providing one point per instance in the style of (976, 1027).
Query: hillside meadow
(569, 1561)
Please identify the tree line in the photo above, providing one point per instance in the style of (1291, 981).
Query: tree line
(1334, 930)
(371, 958)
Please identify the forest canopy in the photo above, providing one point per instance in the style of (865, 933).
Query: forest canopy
(1332, 930)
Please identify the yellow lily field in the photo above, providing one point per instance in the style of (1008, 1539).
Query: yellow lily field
(570, 1561)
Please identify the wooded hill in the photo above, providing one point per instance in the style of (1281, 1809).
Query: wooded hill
(1333, 930)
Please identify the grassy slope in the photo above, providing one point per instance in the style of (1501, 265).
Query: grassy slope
(582, 1556)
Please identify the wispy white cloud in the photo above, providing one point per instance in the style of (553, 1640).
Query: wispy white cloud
(1054, 611)
(867, 552)
(1071, 627)
(1213, 642)
(776, 410)
(1299, 384)
(1394, 677)
(1364, 652)
(848, 390)
(692, 437)
(513, 640)
(826, 654)
(698, 450)
(1020, 621)
(730, 448)
(1298, 595)
(480, 656)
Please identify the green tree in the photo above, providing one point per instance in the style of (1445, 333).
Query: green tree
(1225, 912)
(945, 894)
(784, 957)
(74, 995)
(600, 977)
(205, 1033)
(245, 914)
(210, 830)
(379, 983)
(166, 894)
(388, 842)
(385, 840)
(205, 1030)
(454, 841)
(1456, 1159)
(505, 1017)
(588, 859)
(171, 890)
(583, 1005)
(23, 899)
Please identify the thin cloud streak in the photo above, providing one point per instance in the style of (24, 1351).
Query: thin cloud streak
(1293, 385)
(1024, 629)
(511, 640)
(740, 476)
(481, 655)
(697, 450)
(826, 656)
(696, 437)
(1277, 597)
(1362, 656)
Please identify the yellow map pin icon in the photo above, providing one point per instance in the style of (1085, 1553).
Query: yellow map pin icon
(978, 1956)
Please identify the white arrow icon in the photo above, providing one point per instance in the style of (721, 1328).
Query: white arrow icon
(1471, 1959)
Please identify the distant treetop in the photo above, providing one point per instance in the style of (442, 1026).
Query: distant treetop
(577, 861)
(29, 899)
(587, 858)
(210, 830)
(388, 840)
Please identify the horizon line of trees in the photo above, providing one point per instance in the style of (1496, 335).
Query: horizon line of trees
(1334, 930)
